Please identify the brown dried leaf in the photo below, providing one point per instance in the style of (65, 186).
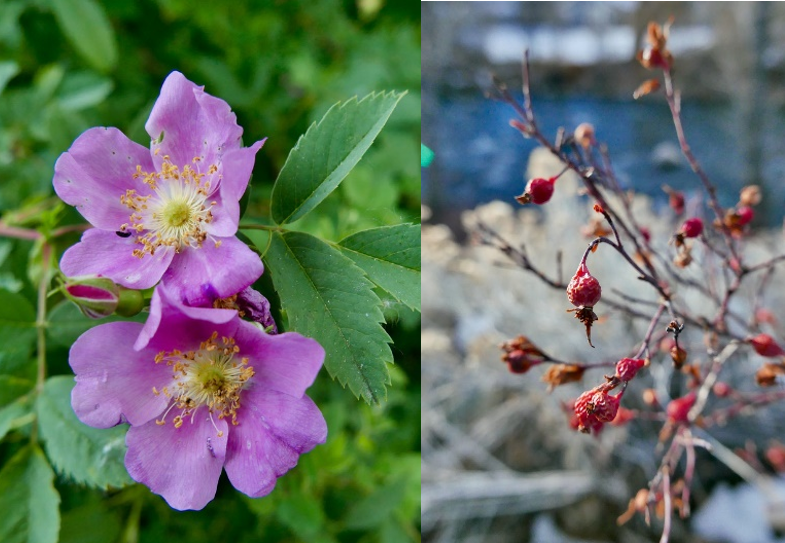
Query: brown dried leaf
(647, 87)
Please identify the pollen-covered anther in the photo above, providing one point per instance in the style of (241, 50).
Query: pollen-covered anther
(211, 376)
(175, 213)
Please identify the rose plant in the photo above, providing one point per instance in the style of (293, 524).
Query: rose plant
(235, 315)
(712, 241)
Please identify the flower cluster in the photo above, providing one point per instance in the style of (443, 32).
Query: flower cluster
(206, 384)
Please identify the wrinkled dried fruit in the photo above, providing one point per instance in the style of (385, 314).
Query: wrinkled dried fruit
(626, 368)
(605, 406)
(584, 289)
(594, 408)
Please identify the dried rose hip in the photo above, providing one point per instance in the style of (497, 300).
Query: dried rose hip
(584, 289)
(692, 228)
(744, 215)
(626, 368)
(605, 406)
(765, 345)
(538, 191)
(679, 408)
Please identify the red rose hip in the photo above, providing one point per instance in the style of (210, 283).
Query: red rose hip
(540, 190)
(584, 289)
(679, 408)
(745, 214)
(626, 368)
(692, 228)
(765, 345)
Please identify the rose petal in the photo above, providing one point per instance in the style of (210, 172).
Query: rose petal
(236, 168)
(96, 171)
(105, 253)
(112, 381)
(273, 430)
(181, 464)
(167, 308)
(256, 308)
(287, 362)
(193, 124)
(199, 276)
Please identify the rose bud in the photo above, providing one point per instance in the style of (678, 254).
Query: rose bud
(99, 297)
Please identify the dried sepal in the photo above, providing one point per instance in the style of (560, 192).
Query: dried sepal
(647, 87)
(766, 376)
(560, 374)
(587, 316)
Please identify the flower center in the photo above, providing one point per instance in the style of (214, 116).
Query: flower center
(211, 376)
(175, 214)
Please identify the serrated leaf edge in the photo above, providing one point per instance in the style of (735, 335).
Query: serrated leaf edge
(379, 315)
(316, 124)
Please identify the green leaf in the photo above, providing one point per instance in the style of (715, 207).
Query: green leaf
(17, 331)
(390, 256)
(327, 152)
(375, 508)
(82, 90)
(302, 514)
(12, 387)
(8, 70)
(328, 298)
(16, 414)
(67, 323)
(91, 523)
(86, 455)
(28, 499)
(86, 26)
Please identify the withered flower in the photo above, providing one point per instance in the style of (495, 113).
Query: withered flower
(656, 55)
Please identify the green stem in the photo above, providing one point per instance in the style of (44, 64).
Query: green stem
(40, 324)
(131, 532)
(259, 227)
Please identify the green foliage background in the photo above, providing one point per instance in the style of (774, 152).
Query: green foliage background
(67, 65)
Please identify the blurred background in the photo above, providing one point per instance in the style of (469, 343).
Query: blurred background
(730, 69)
(500, 463)
(67, 65)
